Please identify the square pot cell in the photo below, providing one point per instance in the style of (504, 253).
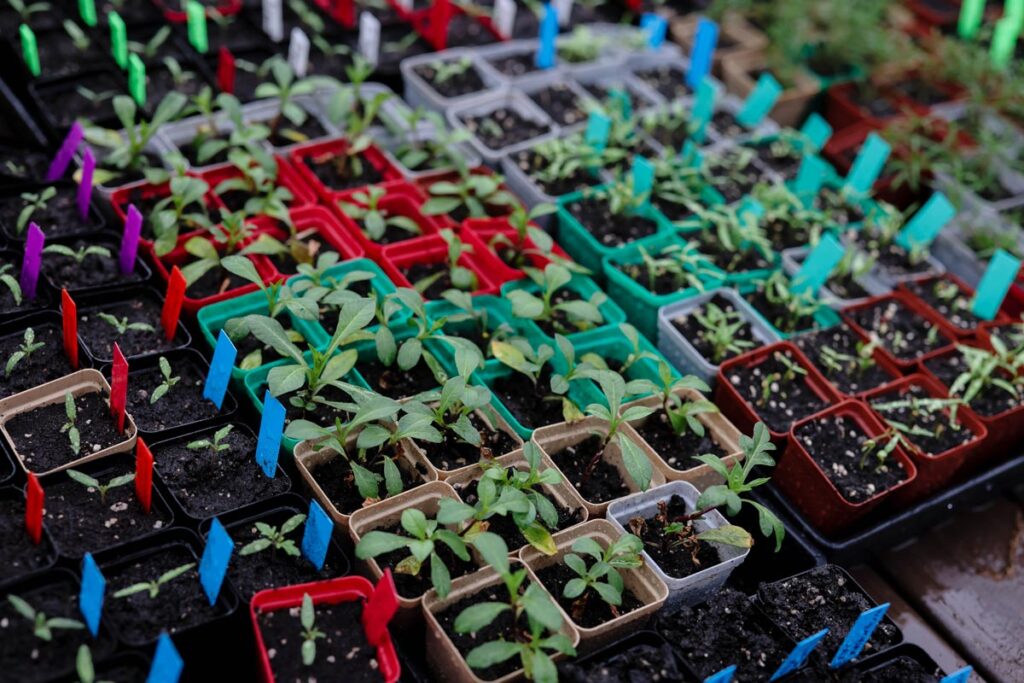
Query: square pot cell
(42, 358)
(56, 213)
(501, 123)
(133, 323)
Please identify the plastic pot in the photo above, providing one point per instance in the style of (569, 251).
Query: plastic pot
(585, 288)
(431, 249)
(335, 148)
(390, 142)
(966, 291)
(99, 303)
(287, 178)
(804, 482)
(265, 111)
(140, 273)
(316, 223)
(492, 234)
(489, 102)
(903, 300)
(612, 345)
(424, 182)
(881, 359)
(792, 103)
(843, 109)
(419, 93)
(793, 258)
(400, 199)
(12, 500)
(824, 318)
(530, 192)
(700, 585)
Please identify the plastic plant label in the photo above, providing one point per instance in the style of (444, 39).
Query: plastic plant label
(32, 261)
(760, 101)
(167, 664)
(1004, 42)
(643, 176)
(271, 429)
(369, 37)
(29, 49)
(172, 303)
(703, 107)
(273, 23)
(598, 127)
(137, 80)
(620, 100)
(196, 15)
(34, 497)
(405, 5)
(655, 27)
(702, 53)
(1014, 10)
(691, 155)
(213, 565)
(971, 12)
(868, 164)
(818, 265)
(85, 183)
(69, 322)
(859, 635)
(90, 596)
(316, 536)
(130, 240)
(220, 370)
(750, 207)
(545, 57)
(927, 223)
(810, 178)
(298, 52)
(795, 659)
(225, 70)
(995, 283)
(118, 39)
(723, 676)
(564, 9)
(64, 155)
(381, 606)
(118, 387)
(504, 17)
(817, 131)
(143, 475)
(959, 676)
(440, 15)
(87, 11)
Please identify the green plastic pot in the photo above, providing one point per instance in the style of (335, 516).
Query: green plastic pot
(585, 288)
(498, 313)
(692, 228)
(612, 344)
(825, 317)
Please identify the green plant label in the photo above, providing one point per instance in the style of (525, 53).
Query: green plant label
(691, 154)
(118, 39)
(703, 107)
(868, 164)
(817, 131)
(926, 224)
(760, 101)
(598, 126)
(643, 175)
(995, 283)
(971, 12)
(87, 10)
(29, 49)
(196, 14)
(810, 177)
(1014, 10)
(137, 80)
(818, 265)
(1004, 42)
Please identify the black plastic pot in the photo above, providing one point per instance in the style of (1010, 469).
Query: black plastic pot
(12, 502)
(140, 275)
(579, 670)
(43, 298)
(14, 331)
(99, 302)
(88, 229)
(59, 102)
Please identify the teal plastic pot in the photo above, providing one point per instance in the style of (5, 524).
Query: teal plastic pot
(585, 288)
(498, 315)
(691, 229)
(612, 344)
(824, 318)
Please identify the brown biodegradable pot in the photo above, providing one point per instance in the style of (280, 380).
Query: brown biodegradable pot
(309, 458)
(442, 655)
(736, 36)
(489, 417)
(642, 582)
(738, 70)
(723, 432)
(554, 438)
(78, 384)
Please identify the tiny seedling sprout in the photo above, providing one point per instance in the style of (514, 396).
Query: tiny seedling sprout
(310, 633)
(167, 383)
(69, 427)
(153, 587)
(275, 538)
(121, 325)
(28, 346)
(93, 483)
(42, 627)
(217, 445)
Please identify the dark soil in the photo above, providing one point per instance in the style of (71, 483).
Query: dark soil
(95, 271)
(467, 82)
(588, 610)
(946, 298)
(946, 434)
(396, 383)
(59, 218)
(336, 171)
(725, 124)
(846, 287)
(786, 232)
(850, 378)
(733, 174)
(673, 135)
(778, 314)
(610, 229)
(677, 554)
(413, 586)
(59, 56)
(182, 404)
(514, 66)
(341, 647)
(504, 627)
(730, 261)
(531, 405)
(465, 31)
(214, 282)
(64, 103)
(20, 555)
(420, 271)
(667, 80)
(191, 148)
(599, 484)
(23, 165)
(663, 283)
(99, 336)
(42, 365)
(902, 332)
(562, 322)
(779, 157)
(892, 260)
(532, 163)
(989, 402)
(787, 401)
(676, 450)
(837, 445)
(560, 103)
(640, 662)
(42, 446)
(503, 128)
(206, 483)
(453, 453)
(285, 133)
(7, 306)
(840, 210)
(603, 94)
(338, 482)
(901, 670)
(181, 603)
(690, 327)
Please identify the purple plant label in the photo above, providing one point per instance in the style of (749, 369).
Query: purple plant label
(545, 57)
(214, 564)
(868, 164)
(85, 186)
(130, 240)
(995, 283)
(317, 535)
(271, 429)
(220, 370)
(723, 676)
(960, 676)
(817, 131)
(655, 26)
(167, 664)
(67, 150)
(859, 635)
(32, 261)
(90, 597)
(925, 225)
(703, 51)
(795, 659)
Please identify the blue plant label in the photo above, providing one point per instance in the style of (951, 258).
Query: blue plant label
(643, 176)
(868, 164)
(960, 676)
(795, 659)
(760, 101)
(927, 223)
(90, 597)
(703, 107)
(317, 535)
(995, 283)
(167, 664)
(598, 127)
(268, 446)
(545, 57)
(859, 635)
(809, 179)
(816, 130)
(655, 26)
(723, 676)
(702, 53)
(213, 566)
(818, 265)
(220, 370)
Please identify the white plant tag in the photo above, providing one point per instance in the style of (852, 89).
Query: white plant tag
(564, 9)
(505, 16)
(273, 24)
(369, 37)
(298, 52)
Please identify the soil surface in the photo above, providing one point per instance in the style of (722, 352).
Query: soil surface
(95, 271)
(778, 156)
(64, 103)
(467, 82)
(891, 260)
(678, 554)
(610, 229)
(503, 128)
(421, 271)
(667, 80)
(533, 164)
(597, 484)
(731, 261)
(688, 325)
(20, 555)
(338, 482)
(560, 103)
(847, 374)
(677, 450)
(734, 173)
(945, 434)
(503, 627)
(99, 335)
(182, 404)
(640, 662)
(532, 405)
(588, 610)
(42, 446)
(338, 172)
(413, 586)
(786, 402)
(778, 314)
(945, 297)
(396, 383)
(41, 366)
(59, 218)
(515, 65)
(902, 332)
(453, 453)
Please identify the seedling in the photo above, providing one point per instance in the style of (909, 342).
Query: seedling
(168, 382)
(28, 346)
(735, 234)
(602, 577)
(564, 316)
(881, 446)
(375, 220)
(566, 159)
(718, 331)
(675, 267)
(257, 181)
(857, 364)
(122, 326)
(637, 465)
(435, 148)
(352, 114)
(997, 370)
(275, 538)
(128, 155)
(153, 587)
(683, 413)
(93, 483)
(519, 355)
(281, 296)
(69, 427)
(620, 196)
(79, 38)
(78, 255)
(918, 408)
(310, 633)
(33, 201)
(42, 627)
(444, 71)
(793, 307)
(791, 372)
(284, 89)
(217, 445)
(150, 48)
(25, 10)
(581, 45)
(471, 193)
(84, 667)
(184, 208)
(460, 276)
(516, 252)
(636, 354)
(8, 280)
(465, 303)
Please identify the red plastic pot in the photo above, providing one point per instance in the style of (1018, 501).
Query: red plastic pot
(481, 233)
(396, 258)
(742, 414)
(952, 93)
(422, 23)
(934, 471)
(424, 182)
(379, 605)
(928, 13)
(122, 197)
(399, 198)
(224, 8)
(843, 111)
(1000, 319)
(917, 308)
(302, 194)
(337, 147)
(308, 221)
(803, 481)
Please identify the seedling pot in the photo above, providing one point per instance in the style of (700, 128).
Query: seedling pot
(792, 259)
(487, 103)
(419, 92)
(400, 199)
(736, 36)
(792, 103)
(482, 233)
(585, 288)
(966, 291)
(913, 306)
(336, 148)
(43, 556)
(432, 249)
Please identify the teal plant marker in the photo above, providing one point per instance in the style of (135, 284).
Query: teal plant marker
(213, 566)
(810, 177)
(818, 265)
(167, 664)
(598, 126)
(655, 26)
(960, 676)
(796, 658)
(137, 80)
(868, 164)
(817, 131)
(118, 39)
(971, 12)
(620, 100)
(90, 597)
(220, 370)
(760, 101)
(196, 15)
(702, 53)
(87, 10)
(29, 49)
(723, 676)
(750, 207)
(316, 537)
(691, 155)
(703, 107)
(545, 57)
(268, 445)
(995, 283)
(859, 635)
(1004, 41)
(643, 176)
(926, 224)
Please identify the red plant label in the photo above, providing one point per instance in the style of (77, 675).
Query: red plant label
(143, 474)
(69, 311)
(226, 70)
(172, 304)
(34, 509)
(119, 387)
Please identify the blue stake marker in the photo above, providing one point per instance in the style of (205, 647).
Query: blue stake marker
(818, 265)
(868, 164)
(167, 663)
(702, 53)
(214, 564)
(656, 26)
(723, 676)
(995, 283)
(810, 177)
(795, 659)
(960, 676)
(859, 635)
(817, 131)
(703, 107)
(220, 370)
(271, 429)
(90, 597)
(760, 101)
(926, 224)
(643, 176)
(545, 58)
(598, 127)
(317, 535)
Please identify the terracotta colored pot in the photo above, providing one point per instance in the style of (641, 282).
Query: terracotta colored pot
(968, 292)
